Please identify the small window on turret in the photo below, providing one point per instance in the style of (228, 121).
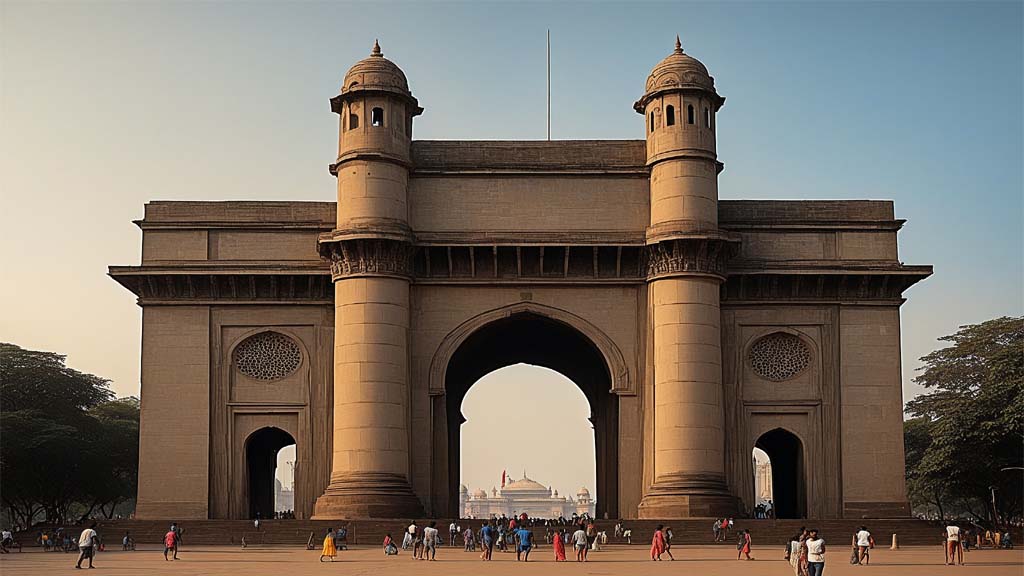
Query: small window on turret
(707, 117)
(377, 117)
(353, 121)
(689, 113)
(652, 121)
(670, 115)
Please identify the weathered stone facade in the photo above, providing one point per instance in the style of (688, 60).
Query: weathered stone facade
(697, 328)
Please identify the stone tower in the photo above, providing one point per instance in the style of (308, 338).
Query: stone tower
(370, 254)
(686, 265)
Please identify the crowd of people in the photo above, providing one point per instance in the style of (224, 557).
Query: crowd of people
(805, 551)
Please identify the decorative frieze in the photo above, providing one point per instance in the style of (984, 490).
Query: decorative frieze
(368, 257)
(688, 256)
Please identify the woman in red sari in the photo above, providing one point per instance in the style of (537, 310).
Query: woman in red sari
(559, 546)
(658, 543)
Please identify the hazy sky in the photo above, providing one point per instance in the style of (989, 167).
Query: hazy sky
(104, 107)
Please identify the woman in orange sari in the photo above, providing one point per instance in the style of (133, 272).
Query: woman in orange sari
(658, 543)
(559, 546)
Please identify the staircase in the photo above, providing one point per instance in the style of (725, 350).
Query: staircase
(765, 533)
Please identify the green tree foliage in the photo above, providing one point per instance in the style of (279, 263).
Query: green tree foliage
(67, 447)
(970, 425)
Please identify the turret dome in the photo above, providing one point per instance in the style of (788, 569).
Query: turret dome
(583, 492)
(479, 494)
(677, 71)
(463, 489)
(376, 73)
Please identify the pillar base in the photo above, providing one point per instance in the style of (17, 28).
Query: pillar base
(689, 496)
(368, 495)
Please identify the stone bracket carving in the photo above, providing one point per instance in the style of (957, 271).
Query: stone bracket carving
(368, 257)
(689, 256)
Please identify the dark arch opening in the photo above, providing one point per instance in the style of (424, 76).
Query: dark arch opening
(670, 115)
(530, 338)
(261, 450)
(789, 484)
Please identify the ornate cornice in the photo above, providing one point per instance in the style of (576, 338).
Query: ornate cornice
(368, 257)
(690, 256)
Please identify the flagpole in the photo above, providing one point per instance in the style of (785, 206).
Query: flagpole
(549, 84)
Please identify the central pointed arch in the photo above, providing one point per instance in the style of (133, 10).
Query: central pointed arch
(533, 334)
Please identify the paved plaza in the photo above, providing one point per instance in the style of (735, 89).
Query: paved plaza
(614, 560)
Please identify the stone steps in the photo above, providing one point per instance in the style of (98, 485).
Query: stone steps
(371, 532)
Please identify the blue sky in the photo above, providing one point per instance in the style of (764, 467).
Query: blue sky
(104, 106)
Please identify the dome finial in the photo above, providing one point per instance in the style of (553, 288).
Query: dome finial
(376, 49)
(679, 45)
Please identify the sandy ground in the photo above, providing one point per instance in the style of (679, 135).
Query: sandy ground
(613, 560)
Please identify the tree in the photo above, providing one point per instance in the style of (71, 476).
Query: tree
(67, 447)
(971, 424)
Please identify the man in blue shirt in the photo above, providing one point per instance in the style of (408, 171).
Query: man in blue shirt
(525, 544)
(487, 537)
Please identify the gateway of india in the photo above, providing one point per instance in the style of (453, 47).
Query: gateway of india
(697, 328)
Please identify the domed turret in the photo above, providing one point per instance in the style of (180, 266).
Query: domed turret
(375, 73)
(479, 494)
(463, 489)
(677, 71)
(679, 106)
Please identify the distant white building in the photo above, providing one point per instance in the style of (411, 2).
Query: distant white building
(523, 495)
(284, 499)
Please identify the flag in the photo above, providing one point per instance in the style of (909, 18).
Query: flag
(502, 478)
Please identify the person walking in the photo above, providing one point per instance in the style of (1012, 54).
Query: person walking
(430, 536)
(862, 541)
(453, 531)
(658, 543)
(329, 550)
(954, 554)
(717, 528)
(815, 553)
(177, 538)
(558, 543)
(87, 545)
(668, 542)
(743, 543)
(525, 543)
(171, 544)
(579, 540)
(487, 541)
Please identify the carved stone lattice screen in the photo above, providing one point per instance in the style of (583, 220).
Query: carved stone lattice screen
(267, 356)
(779, 356)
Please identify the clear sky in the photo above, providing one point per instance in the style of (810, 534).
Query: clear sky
(105, 106)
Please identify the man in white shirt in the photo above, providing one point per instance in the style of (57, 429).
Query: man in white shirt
(579, 540)
(953, 553)
(453, 529)
(862, 540)
(815, 553)
(410, 532)
(429, 542)
(86, 545)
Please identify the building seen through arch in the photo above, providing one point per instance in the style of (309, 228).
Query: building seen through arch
(697, 328)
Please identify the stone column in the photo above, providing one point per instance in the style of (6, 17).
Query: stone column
(689, 435)
(369, 475)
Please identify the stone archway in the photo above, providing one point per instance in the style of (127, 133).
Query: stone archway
(785, 452)
(261, 449)
(541, 336)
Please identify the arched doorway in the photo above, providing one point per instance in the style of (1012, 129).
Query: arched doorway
(530, 338)
(261, 450)
(785, 454)
(526, 419)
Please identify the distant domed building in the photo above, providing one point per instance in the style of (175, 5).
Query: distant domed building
(524, 495)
